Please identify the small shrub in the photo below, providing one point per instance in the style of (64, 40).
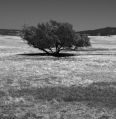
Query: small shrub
(82, 41)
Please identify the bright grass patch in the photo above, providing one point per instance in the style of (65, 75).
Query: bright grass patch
(41, 86)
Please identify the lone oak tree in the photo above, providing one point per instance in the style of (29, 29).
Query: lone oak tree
(50, 37)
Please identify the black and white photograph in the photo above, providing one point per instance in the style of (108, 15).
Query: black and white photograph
(57, 59)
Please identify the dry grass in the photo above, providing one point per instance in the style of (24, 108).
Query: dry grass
(38, 86)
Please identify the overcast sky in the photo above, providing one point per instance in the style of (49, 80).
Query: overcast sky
(83, 14)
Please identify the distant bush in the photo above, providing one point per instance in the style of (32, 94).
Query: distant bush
(52, 37)
(82, 40)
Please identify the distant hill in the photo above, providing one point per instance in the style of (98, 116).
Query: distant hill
(101, 32)
(12, 32)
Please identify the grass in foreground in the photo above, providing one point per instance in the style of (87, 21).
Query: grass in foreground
(33, 86)
(91, 102)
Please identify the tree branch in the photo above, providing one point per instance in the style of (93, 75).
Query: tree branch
(51, 50)
(45, 51)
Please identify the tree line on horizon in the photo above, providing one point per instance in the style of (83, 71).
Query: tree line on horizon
(107, 31)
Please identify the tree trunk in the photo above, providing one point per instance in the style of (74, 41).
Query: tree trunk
(56, 53)
(57, 49)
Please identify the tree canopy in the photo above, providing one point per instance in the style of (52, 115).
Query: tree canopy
(52, 36)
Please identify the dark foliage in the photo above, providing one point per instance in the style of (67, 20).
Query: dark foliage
(52, 37)
(82, 40)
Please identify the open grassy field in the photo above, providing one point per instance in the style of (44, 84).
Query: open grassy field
(36, 86)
